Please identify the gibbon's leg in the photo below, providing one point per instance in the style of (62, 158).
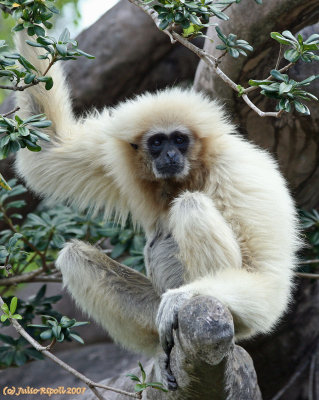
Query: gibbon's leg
(122, 300)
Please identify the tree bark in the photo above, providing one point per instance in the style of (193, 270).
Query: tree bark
(293, 139)
(286, 361)
(204, 360)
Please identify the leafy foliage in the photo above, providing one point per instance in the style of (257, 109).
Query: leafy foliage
(34, 17)
(232, 45)
(16, 134)
(63, 48)
(31, 13)
(287, 91)
(46, 231)
(9, 312)
(299, 48)
(142, 384)
(18, 351)
(59, 330)
(28, 245)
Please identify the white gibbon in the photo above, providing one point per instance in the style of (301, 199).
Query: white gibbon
(216, 211)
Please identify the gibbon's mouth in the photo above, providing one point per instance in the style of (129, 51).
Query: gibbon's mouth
(170, 171)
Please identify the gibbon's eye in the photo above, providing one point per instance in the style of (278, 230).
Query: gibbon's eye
(157, 142)
(179, 139)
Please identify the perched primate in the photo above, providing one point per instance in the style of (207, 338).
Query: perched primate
(215, 209)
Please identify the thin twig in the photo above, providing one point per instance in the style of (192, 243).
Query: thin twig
(315, 261)
(91, 384)
(305, 275)
(258, 111)
(11, 112)
(279, 57)
(29, 276)
(210, 60)
(19, 88)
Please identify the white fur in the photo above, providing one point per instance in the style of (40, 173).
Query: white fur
(237, 238)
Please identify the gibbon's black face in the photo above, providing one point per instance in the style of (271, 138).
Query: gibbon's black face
(168, 153)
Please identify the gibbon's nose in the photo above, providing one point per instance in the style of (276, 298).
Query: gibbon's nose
(171, 154)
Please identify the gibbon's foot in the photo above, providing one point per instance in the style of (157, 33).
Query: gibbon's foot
(170, 378)
(167, 321)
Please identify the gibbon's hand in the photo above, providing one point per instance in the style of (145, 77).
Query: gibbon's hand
(167, 321)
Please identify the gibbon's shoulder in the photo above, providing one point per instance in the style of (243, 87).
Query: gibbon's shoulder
(167, 108)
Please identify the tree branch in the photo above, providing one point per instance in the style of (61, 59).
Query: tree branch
(210, 60)
(19, 88)
(307, 275)
(11, 112)
(44, 350)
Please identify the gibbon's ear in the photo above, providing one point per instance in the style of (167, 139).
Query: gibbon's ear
(135, 146)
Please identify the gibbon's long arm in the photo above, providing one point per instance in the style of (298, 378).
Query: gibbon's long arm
(72, 166)
(206, 242)
(256, 296)
(122, 300)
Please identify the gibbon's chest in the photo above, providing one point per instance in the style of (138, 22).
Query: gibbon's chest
(163, 267)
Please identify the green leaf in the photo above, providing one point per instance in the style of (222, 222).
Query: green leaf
(292, 55)
(4, 317)
(29, 78)
(164, 24)
(139, 387)
(83, 53)
(38, 30)
(309, 79)
(17, 236)
(13, 305)
(48, 86)
(142, 371)
(279, 38)
(65, 36)
(16, 316)
(290, 36)
(277, 75)
(45, 335)
(133, 377)
(313, 38)
(41, 124)
(4, 184)
(26, 64)
(76, 337)
(118, 250)
(284, 88)
(233, 52)
(301, 107)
